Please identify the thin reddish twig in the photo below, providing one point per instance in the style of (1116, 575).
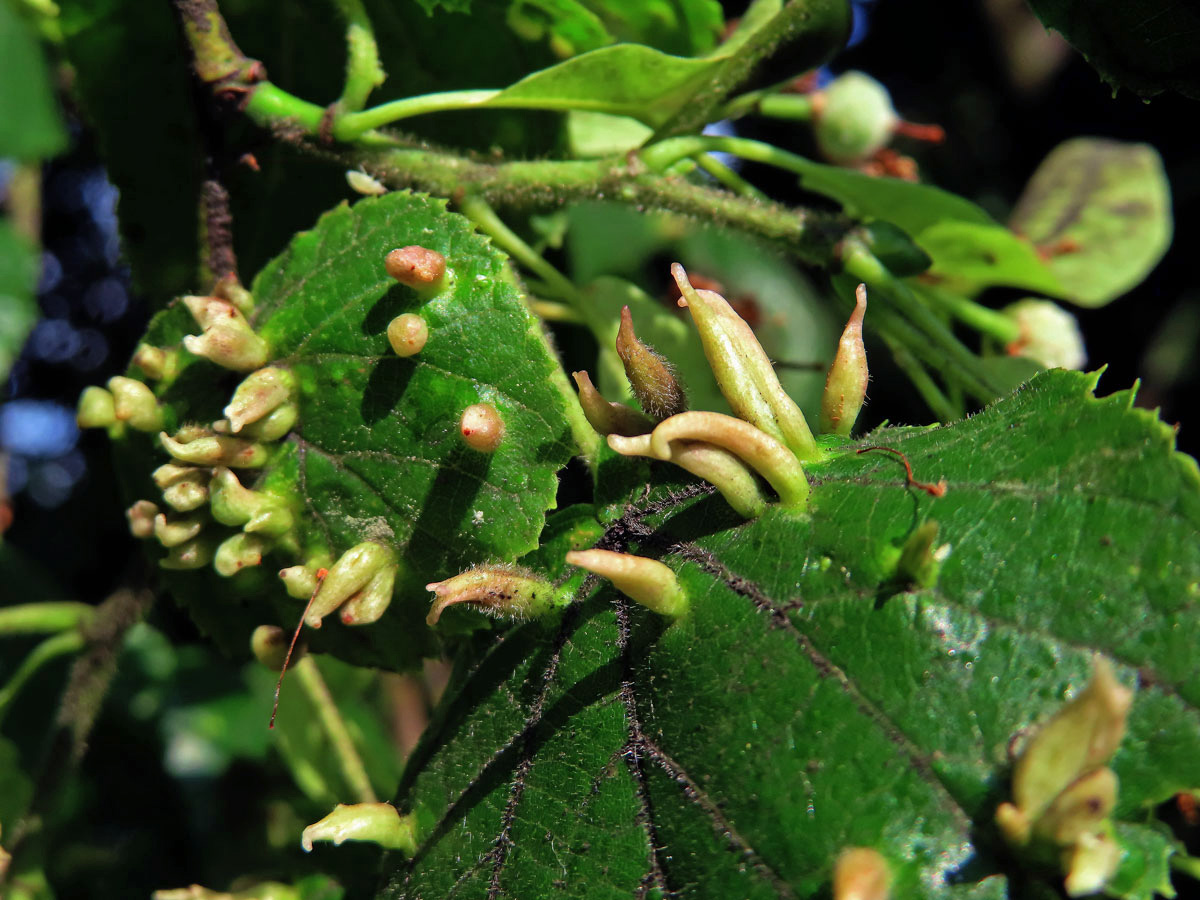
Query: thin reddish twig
(933, 490)
(321, 573)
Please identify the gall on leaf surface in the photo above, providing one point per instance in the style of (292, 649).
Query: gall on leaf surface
(810, 702)
(376, 453)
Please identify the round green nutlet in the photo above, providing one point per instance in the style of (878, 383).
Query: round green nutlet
(407, 334)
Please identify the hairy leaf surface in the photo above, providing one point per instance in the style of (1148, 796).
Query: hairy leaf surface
(811, 701)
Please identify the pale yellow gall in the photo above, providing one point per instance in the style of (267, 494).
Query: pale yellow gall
(481, 427)
(407, 334)
(417, 267)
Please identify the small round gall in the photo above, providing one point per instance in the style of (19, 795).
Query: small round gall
(417, 267)
(407, 334)
(481, 427)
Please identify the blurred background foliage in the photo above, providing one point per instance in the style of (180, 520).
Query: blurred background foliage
(182, 781)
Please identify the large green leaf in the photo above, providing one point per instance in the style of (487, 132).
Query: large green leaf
(970, 249)
(376, 453)
(683, 27)
(1148, 46)
(1102, 209)
(30, 127)
(809, 701)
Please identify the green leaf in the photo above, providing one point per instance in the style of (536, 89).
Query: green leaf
(376, 454)
(30, 126)
(18, 279)
(1102, 210)
(809, 702)
(1147, 46)
(1145, 869)
(683, 27)
(970, 249)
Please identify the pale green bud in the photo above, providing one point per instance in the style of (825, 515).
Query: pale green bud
(1049, 335)
(231, 346)
(239, 552)
(645, 581)
(370, 603)
(505, 592)
(379, 823)
(177, 530)
(846, 383)
(854, 118)
(135, 404)
(351, 573)
(215, 450)
(260, 393)
(141, 519)
(275, 424)
(743, 370)
(158, 363)
(187, 493)
(194, 554)
(169, 473)
(96, 408)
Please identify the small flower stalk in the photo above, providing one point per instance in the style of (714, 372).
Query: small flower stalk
(227, 338)
(861, 873)
(365, 573)
(260, 394)
(651, 377)
(604, 415)
(378, 823)
(1063, 791)
(743, 371)
(846, 383)
(504, 592)
(647, 582)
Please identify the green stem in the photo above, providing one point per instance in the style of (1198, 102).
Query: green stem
(793, 107)
(49, 649)
(728, 177)
(353, 125)
(987, 321)
(44, 618)
(335, 729)
(933, 396)
(364, 72)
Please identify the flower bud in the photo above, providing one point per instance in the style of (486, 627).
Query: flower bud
(351, 573)
(743, 371)
(407, 334)
(176, 530)
(157, 362)
(1049, 335)
(193, 554)
(653, 380)
(417, 267)
(214, 450)
(854, 118)
(861, 873)
(720, 468)
(846, 383)
(607, 417)
(645, 581)
(379, 823)
(96, 408)
(501, 591)
(763, 453)
(260, 393)
(141, 519)
(481, 427)
(238, 552)
(135, 404)
(370, 603)
(269, 643)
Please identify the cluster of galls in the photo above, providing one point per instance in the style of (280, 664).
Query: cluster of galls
(768, 438)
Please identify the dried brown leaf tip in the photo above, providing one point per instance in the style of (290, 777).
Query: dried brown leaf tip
(653, 380)
(416, 267)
